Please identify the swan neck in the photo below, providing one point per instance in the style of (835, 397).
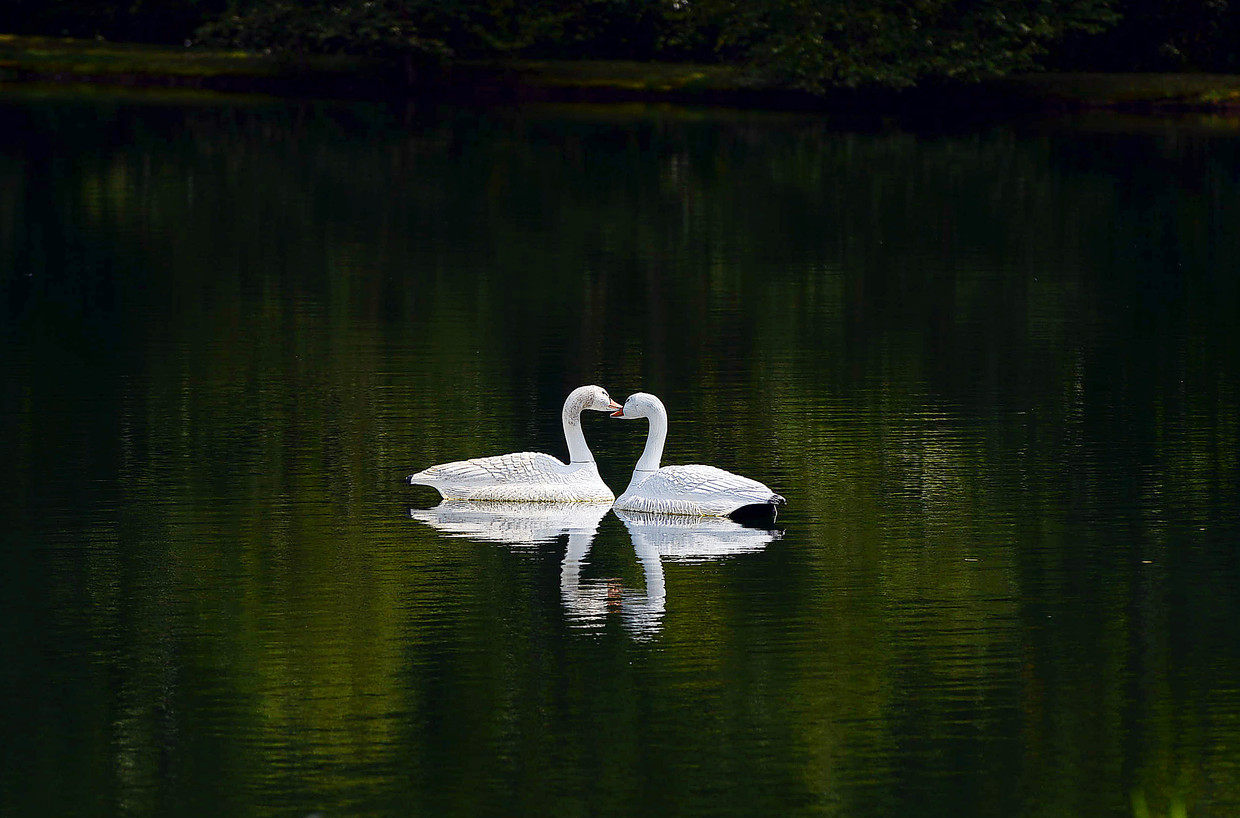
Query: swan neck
(653, 453)
(578, 451)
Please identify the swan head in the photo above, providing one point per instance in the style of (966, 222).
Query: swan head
(641, 405)
(591, 397)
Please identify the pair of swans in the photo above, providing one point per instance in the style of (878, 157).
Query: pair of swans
(528, 476)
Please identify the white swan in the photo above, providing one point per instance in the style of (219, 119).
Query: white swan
(704, 491)
(529, 476)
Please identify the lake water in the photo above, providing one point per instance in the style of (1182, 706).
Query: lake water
(994, 368)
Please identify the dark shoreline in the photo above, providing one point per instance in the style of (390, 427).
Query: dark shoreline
(28, 60)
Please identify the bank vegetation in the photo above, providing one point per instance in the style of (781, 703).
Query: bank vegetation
(800, 50)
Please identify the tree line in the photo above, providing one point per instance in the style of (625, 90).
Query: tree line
(812, 44)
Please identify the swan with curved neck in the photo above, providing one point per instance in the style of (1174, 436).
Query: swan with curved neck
(704, 491)
(531, 476)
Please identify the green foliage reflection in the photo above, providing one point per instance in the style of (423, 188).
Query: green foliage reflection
(994, 372)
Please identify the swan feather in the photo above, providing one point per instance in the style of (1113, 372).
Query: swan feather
(530, 476)
(695, 490)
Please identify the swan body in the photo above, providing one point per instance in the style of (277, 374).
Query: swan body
(531, 476)
(703, 491)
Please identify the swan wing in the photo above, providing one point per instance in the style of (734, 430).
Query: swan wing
(700, 490)
(485, 471)
(521, 476)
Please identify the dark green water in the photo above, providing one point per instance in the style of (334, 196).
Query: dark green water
(995, 371)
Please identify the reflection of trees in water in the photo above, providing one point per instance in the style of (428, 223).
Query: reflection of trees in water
(895, 246)
(994, 374)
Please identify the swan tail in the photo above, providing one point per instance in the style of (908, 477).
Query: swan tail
(422, 478)
(759, 515)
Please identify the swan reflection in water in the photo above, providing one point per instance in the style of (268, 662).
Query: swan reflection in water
(679, 538)
(589, 601)
(514, 523)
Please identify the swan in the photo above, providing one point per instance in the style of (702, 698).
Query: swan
(529, 476)
(704, 491)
